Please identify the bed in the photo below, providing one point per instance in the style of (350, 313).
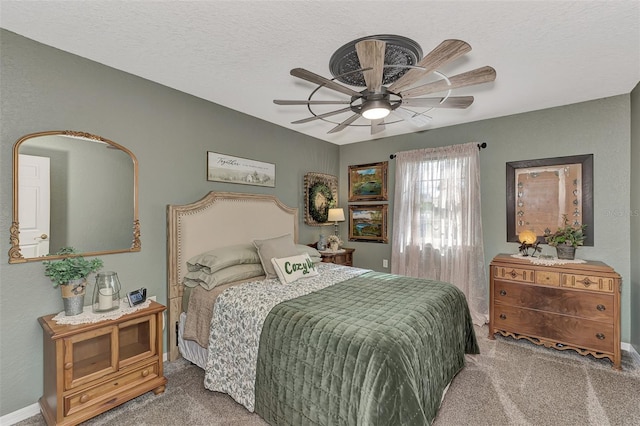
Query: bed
(338, 345)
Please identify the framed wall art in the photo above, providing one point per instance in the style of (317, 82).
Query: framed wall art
(368, 182)
(320, 194)
(230, 169)
(540, 192)
(368, 223)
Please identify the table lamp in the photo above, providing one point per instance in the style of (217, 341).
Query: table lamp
(335, 216)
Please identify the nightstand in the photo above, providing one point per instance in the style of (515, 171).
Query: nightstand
(340, 258)
(91, 368)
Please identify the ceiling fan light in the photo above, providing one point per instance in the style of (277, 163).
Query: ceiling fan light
(375, 110)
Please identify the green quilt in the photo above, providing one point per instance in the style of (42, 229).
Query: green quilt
(378, 349)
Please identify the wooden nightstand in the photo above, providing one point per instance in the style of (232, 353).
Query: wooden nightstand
(91, 368)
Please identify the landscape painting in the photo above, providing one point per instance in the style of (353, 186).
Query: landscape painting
(368, 182)
(368, 223)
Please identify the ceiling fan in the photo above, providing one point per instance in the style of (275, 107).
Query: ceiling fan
(388, 66)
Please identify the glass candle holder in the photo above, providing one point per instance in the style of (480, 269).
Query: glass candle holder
(106, 293)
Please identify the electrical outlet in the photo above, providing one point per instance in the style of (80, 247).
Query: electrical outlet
(385, 263)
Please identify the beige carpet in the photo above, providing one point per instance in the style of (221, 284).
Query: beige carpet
(509, 383)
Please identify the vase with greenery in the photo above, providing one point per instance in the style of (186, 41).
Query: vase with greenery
(71, 274)
(566, 239)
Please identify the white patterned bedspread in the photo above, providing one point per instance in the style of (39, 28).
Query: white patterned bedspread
(236, 324)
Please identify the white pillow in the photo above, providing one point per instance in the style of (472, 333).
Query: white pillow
(292, 268)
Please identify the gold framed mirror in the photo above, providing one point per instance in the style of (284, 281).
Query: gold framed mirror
(73, 189)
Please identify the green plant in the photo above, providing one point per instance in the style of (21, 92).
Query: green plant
(567, 235)
(72, 267)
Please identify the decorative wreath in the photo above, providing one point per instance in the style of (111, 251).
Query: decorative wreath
(319, 211)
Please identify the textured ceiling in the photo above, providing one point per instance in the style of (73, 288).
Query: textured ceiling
(239, 53)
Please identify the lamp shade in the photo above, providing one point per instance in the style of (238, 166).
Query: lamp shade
(336, 215)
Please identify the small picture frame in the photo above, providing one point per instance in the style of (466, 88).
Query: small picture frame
(368, 223)
(368, 182)
(230, 169)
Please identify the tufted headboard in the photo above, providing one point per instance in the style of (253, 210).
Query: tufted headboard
(217, 220)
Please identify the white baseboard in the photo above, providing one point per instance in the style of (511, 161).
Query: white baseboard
(632, 351)
(20, 415)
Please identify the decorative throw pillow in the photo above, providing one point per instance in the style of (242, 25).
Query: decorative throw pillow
(290, 269)
(223, 276)
(223, 257)
(278, 247)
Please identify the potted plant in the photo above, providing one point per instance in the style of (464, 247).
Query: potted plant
(71, 274)
(566, 239)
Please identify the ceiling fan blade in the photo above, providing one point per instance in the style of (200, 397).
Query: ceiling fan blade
(317, 79)
(345, 123)
(444, 53)
(285, 102)
(377, 126)
(418, 120)
(321, 116)
(371, 55)
(459, 102)
(469, 78)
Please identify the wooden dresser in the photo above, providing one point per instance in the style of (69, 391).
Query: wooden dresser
(91, 368)
(571, 306)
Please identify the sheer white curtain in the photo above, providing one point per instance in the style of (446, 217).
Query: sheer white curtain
(437, 226)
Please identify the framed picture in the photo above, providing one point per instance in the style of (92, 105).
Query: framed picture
(540, 192)
(320, 194)
(368, 223)
(229, 169)
(368, 182)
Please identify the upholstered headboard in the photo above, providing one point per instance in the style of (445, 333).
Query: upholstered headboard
(219, 219)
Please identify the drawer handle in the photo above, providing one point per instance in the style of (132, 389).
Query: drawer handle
(600, 336)
(503, 316)
(145, 373)
(84, 398)
(601, 308)
(68, 366)
(503, 292)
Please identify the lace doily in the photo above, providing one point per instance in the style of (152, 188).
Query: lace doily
(547, 261)
(88, 316)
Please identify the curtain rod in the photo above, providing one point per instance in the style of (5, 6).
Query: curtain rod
(480, 147)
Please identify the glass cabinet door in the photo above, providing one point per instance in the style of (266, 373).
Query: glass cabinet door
(136, 340)
(89, 355)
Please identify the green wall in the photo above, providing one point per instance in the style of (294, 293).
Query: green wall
(46, 89)
(600, 127)
(168, 131)
(634, 215)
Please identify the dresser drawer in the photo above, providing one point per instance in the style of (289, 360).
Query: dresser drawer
(588, 282)
(514, 274)
(585, 334)
(109, 389)
(548, 278)
(593, 306)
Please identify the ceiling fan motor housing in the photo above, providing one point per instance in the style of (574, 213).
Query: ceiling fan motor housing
(401, 52)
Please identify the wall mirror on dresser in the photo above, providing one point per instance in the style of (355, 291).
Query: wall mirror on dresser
(73, 189)
(540, 192)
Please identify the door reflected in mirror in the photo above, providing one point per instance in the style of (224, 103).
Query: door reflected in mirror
(73, 189)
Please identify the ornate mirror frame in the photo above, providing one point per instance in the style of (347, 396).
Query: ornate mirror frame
(15, 255)
(537, 184)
